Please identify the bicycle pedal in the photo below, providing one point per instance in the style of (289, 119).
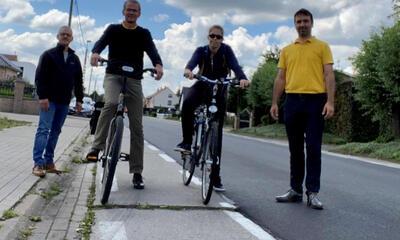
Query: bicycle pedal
(124, 157)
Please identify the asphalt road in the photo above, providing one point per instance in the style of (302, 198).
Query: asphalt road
(361, 200)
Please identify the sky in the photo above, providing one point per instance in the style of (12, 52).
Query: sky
(29, 27)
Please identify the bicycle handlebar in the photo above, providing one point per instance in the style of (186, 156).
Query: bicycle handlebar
(223, 81)
(152, 71)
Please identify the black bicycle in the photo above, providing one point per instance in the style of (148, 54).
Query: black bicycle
(204, 152)
(112, 152)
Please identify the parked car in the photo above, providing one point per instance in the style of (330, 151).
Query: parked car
(87, 107)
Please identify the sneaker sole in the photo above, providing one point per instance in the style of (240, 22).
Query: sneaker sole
(182, 150)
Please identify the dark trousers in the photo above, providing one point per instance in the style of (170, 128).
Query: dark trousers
(200, 93)
(304, 122)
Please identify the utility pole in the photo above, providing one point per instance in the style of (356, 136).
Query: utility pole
(84, 61)
(70, 13)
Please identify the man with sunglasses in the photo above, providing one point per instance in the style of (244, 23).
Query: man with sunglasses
(214, 61)
(126, 43)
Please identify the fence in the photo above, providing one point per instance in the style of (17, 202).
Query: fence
(6, 88)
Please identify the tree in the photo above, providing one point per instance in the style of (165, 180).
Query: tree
(396, 9)
(378, 79)
(259, 94)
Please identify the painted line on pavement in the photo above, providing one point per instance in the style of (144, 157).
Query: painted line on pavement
(112, 230)
(114, 187)
(249, 225)
(194, 180)
(361, 159)
(153, 148)
(167, 158)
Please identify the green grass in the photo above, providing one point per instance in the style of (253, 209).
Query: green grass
(52, 192)
(8, 123)
(7, 214)
(386, 151)
(277, 131)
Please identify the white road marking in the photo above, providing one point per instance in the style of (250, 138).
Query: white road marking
(112, 230)
(226, 205)
(249, 225)
(114, 187)
(166, 157)
(153, 148)
(362, 159)
(194, 180)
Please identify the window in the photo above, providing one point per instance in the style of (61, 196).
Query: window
(169, 95)
(169, 102)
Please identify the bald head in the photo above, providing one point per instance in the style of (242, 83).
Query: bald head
(64, 36)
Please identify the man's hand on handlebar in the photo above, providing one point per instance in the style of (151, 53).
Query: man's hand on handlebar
(188, 74)
(159, 72)
(244, 83)
(94, 59)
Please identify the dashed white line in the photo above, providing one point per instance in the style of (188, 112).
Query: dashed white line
(112, 230)
(153, 148)
(249, 225)
(166, 157)
(194, 180)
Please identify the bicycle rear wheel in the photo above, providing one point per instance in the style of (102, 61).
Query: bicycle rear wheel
(189, 161)
(110, 159)
(208, 163)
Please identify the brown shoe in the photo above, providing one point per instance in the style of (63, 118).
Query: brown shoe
(38, 171)
(51, 168)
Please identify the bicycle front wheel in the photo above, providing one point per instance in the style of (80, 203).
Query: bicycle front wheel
(190, 161)
(113, 150)
(208, 163)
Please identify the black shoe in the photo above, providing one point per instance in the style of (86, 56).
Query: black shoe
(218, 187)
(290, 196)
(93, 155)
(137, 181)
(313, 201)
(183, 148)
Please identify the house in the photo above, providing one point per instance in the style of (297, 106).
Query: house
(8, 70)
(162, 98)
(28, 69)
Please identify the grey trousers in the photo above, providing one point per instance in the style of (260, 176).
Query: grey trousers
(134, 103)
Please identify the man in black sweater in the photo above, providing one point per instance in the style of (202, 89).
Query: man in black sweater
(58, 73)
(126, 43)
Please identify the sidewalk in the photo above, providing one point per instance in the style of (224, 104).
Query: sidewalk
(165, 209)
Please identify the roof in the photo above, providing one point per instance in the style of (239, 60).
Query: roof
(4, 62)
(158, 91)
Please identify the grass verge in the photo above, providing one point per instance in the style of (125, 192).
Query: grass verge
(8, 123)
(386, 151)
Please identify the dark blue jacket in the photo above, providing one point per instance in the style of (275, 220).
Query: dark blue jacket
(217, 66)
(56, 79)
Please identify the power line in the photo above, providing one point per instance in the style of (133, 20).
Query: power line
(79, 24)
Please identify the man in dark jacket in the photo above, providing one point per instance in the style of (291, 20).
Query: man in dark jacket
(58, 73)
(214, 61)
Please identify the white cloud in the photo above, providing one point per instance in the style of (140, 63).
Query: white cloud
(15, 11)
(160, 18)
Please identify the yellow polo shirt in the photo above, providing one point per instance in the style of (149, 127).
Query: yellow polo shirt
(304, 65)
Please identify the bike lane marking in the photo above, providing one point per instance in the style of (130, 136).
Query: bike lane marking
(167, 158)
(194, 180)
(247, 224)
(112, 230)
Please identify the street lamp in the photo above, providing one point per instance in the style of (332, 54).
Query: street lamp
(84, 61)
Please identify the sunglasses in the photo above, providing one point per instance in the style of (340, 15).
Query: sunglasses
(219, 37)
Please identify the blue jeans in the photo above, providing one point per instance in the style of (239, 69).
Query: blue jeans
(49, 128)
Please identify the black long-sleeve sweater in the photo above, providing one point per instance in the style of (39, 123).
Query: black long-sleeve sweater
(127, 46)
(56, 78)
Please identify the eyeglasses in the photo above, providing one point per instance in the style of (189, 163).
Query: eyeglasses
(219, 37)
(132, 10)
(65, 34)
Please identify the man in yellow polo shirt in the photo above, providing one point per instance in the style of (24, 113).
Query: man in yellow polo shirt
(306, 75)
